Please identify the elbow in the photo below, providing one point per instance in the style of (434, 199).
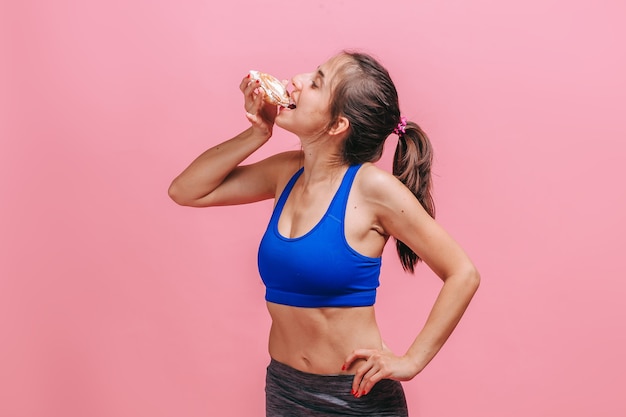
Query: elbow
(472, 278)
(183, 197)
(177, 195)
(465, 279)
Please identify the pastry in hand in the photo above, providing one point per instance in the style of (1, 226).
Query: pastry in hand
(275, 91)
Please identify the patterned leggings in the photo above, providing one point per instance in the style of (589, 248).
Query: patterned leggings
(293, 393)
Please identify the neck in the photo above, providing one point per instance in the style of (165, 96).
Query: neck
(322, 159)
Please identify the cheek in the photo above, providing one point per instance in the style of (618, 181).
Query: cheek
(313, 118)
(302, 121)
(309, 117)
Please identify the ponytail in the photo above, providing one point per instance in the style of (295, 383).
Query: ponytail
(365, 94)
(411, 165)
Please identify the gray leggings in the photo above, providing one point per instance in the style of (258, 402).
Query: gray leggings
(293, 393)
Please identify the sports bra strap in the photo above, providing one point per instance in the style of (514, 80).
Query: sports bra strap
(337, 207)
(284, 195)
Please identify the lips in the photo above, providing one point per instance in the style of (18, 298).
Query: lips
(292, 101)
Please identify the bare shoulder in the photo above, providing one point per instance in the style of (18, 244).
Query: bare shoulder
(270, 174)
(290, 161)
(376, 184)
(283, 165)
(392, 204)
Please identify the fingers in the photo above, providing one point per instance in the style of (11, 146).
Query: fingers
(253, 93)
(254, 101)
(375, 368)
(357, 354)
(363, 378)
(365, 383)
(250, 88)
(253, 113)
(244, 82)
(252, 118)
(259, 113)
(257, 101)
(364, 373)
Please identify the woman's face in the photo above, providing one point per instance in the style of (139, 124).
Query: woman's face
(311, 94)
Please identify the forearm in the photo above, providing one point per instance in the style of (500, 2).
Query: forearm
(210, 169)
(451, 303)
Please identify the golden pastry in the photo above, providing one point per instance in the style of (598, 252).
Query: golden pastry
(275, 91)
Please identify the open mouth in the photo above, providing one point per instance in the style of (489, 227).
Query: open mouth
(290, 106)
(292, 102)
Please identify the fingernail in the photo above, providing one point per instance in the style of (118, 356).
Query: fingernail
(248, 76)
(362, 393)
(343, 367)
(258, 81)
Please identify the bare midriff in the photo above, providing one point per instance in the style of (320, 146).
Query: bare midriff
(318, 340)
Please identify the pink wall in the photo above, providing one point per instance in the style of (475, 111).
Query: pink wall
(116, 302)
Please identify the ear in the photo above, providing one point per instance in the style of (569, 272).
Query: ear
(340, 127)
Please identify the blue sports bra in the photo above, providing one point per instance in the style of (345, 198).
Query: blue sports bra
(318, 269)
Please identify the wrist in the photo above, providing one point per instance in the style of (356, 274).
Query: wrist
(258, 134)
(417, 363)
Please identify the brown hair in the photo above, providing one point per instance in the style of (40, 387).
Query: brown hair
(366, 96)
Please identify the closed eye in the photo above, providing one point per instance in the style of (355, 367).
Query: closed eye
(319, 75)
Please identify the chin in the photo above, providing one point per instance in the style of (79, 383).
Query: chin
(281, 122)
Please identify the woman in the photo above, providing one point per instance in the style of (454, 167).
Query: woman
(334, 213)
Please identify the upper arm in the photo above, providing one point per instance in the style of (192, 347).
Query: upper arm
(402, 216)
(251, 183)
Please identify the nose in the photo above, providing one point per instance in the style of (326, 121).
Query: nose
(296, 81)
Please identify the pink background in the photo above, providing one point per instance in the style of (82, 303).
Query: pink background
(116, 302)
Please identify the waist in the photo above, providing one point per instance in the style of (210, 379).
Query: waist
(318, 340)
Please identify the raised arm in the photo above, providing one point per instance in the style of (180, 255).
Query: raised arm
(216, 177)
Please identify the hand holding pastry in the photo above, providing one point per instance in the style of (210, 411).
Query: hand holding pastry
(259, 112)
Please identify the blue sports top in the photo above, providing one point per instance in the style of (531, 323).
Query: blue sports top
(318, 269)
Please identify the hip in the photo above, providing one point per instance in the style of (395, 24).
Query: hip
(291, 392)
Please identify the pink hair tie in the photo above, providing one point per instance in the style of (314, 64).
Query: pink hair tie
(400, 130)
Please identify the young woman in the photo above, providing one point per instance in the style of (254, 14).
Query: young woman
(321, 254)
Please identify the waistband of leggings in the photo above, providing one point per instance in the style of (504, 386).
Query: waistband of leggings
(285, 371)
